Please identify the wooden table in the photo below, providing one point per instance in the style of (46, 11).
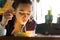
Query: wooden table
(27, 38)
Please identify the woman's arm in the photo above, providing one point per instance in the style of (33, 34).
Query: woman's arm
(5, 18)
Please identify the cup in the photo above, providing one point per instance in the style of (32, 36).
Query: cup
(2, 31)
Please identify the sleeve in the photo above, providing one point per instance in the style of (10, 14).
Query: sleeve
(31, 25)
(2, 31)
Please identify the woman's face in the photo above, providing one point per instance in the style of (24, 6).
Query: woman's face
(23, 12)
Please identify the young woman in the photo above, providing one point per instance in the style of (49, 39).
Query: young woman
(20, 17)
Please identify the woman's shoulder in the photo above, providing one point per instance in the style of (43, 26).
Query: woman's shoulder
(30, 25)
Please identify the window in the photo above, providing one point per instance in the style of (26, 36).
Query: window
(41, 9)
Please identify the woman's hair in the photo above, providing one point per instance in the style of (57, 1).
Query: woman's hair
(17, 2)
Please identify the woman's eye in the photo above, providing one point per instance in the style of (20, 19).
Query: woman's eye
(21, 13)
(28, 14)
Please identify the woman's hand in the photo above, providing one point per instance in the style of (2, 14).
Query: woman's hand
(6, 17)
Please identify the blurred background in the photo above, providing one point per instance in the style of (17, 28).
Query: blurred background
(5, 5)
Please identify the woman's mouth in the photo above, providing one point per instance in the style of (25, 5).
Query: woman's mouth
(24, 20)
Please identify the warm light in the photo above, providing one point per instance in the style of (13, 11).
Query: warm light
(26, 34)
(6, 7)
(30, 33)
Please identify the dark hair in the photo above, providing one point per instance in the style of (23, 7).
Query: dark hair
(17, 2)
